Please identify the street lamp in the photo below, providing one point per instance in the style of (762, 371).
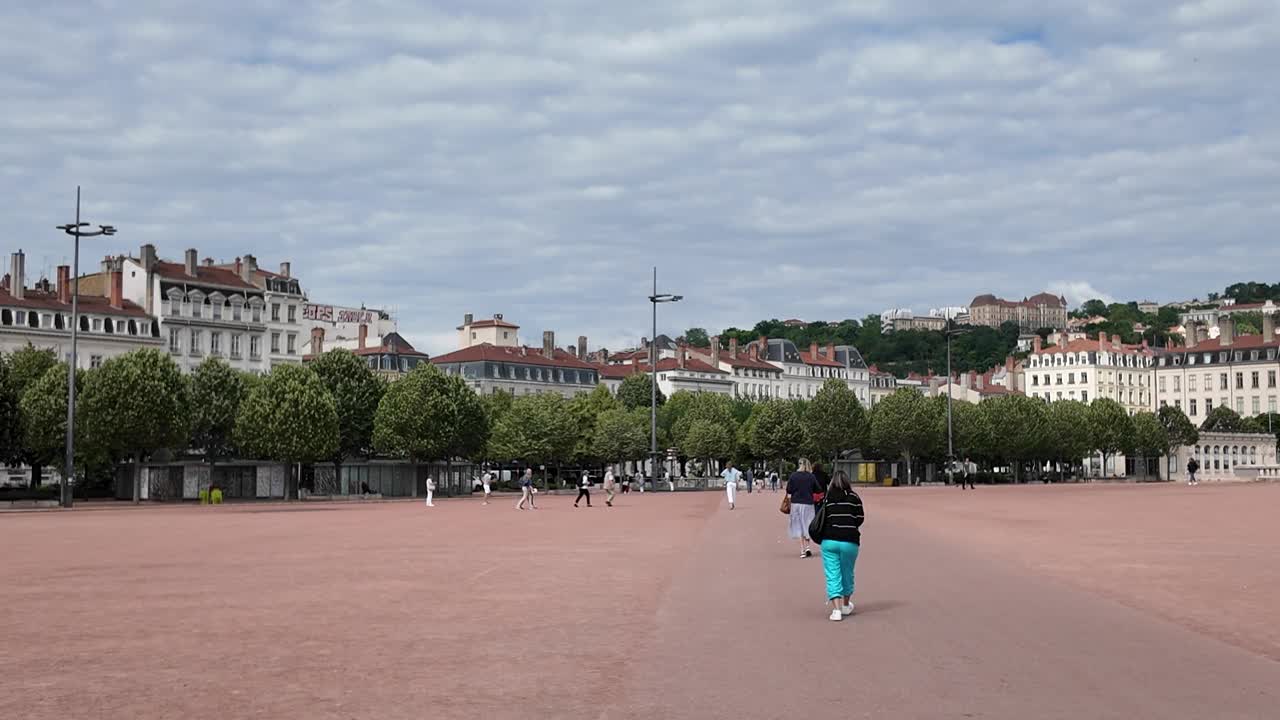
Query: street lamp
(950, 331)
(654, 299)
(77, 231)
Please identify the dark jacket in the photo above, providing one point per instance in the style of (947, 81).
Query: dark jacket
(801, 486)
(844, 516)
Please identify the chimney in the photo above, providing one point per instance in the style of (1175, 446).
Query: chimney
(117, 287)
(17, 275)
(1269, 322)
(4, 282)
(1037, 344)
(64, 284)
(972, 381)
(285, 269)
(467, 319)
(1008, 364)
(1115, 341)
(682, 353)
(363, 336)
(1190, 336)
(208, 262)
(813, 350)
(147, 256)
(193, 257)
(982, 382)
(497, 316)
(715, 351)
(239, 267)
(733, 347)
(549, 344)
(249, 267)
(831, 351)
(1102, 341)
(317, 340)
(582, 347)
(1226, 330)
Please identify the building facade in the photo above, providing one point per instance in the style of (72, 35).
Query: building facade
(683, 372)
(803, 372)
(490, 358)
(40, 316)
(1240, 372)
(1086, 370)
(1225, 457)
(1043, 310)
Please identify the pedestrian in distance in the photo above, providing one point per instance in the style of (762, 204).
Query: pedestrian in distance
(773, 480)
(801, 487)
(431, 490)
(526, 490)
(1192, 468)
(751, 480)
(610, 486)
(731, 477)
(966, 478)
(640, 480)
(584, 489)
(671, 485)
(840, 535)
(486, 483)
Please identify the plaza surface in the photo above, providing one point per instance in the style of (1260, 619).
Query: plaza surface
(1017, 602)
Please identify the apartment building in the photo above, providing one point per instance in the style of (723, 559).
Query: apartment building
(1088, 369)
(1238, 371)
(1043, 310)
(490, 358)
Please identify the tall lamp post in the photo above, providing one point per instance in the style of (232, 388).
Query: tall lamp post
(950, 331)
(654, 299)
(77, 231)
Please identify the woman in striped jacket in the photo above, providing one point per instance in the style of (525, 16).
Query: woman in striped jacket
(841, 538)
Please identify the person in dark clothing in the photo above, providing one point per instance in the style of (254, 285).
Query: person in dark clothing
(841, 540)
(584, 489)
(823, 481)
(1192, 468)
(802, 486)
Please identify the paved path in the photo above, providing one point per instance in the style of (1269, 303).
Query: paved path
(663, 607)
(941, 632)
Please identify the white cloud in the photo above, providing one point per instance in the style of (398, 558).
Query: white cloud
(1078, 291)
(539, 159)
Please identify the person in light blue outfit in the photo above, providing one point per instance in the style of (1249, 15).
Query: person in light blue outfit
(841, 540)
(731, 477)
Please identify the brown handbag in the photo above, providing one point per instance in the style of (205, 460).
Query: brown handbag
(786, 505)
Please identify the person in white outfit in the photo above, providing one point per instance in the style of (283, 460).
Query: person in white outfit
(731, 477)
(485, 481)
(431, 489)
(610, 486)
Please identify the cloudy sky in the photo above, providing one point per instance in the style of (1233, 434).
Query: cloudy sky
(820, 159)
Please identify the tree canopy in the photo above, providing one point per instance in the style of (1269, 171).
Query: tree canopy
(1224, 419)
(1178, 427)
(356, 393)
(216, 392)
(834, 420)
(289, 417)
(1111, 428)
(538, 429)
(636, 390)
(776, 432)
(621, 435)
(901, 425)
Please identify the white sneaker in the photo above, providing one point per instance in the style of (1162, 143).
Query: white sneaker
(847, 609)
(836, 615)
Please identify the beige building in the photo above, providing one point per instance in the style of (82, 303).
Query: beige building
(490, 358)
(1237, 371)
(1043, 310)
(1086, 370)
(752, 377)
(1227, 457)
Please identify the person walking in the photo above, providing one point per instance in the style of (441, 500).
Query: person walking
(486, 483)
(823, 480)
(1192, 468)
(584, 489)
(801, 487)
(731, 477)
(841, 537)
(671, 485)
(751, 480)
(610, 486)
(431, 490)
(966, 478)
(526, 490)
(773, 480)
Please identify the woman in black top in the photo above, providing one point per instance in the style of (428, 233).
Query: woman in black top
(802, 486)
(841, 540)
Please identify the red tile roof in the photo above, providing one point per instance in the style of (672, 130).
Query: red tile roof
(819, 359)
(1090, 345)
(664, 365)
(492, 322)
(1246, 342)
(204, 274)
(513, 354)
(94, 304)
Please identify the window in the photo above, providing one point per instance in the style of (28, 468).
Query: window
(1257, 405)
(97, 324)
(1161, 384)
(217, 308)
(257, 313)
(1253, 378)
(1271, 404)
(255, 346)
(1208, 406)
(235, 345)
(1084, 377)
(1240, 405)
(175, 340)
(293, 313)
(1222, 381)
(196, 342)
(1193, 407)
(1191, 383)
(1208, 382)
(1059, 378)
(1084, 396)
(1177, 402)
(1071, 378)
(95, 362)
(1177, 383)
(237, 311)
(275, 339)
(291, 344)
(175, 306)
(1035, 380)
(275, 312)
(215, 343)
(197, 307)
(1239, 381)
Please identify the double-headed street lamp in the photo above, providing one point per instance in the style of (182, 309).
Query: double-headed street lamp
(76, 230)
(654, 299)
(950, 331)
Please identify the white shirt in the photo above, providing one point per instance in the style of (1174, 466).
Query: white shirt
(608, 479)
(586, 480)
(731, 475)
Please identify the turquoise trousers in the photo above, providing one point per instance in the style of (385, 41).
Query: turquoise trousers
(838, 558)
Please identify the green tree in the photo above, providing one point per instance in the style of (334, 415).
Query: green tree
(971, 434)
(1111, 429)
(1224, 419)
(697, 337)
(44, 417)
(289, 417)
(1178, 427)
(621, 435)
(538, 429)
(901, 427)
(1070, 439)
(27, 365)
(136, 404)
(635, 392)
(707, 441)
(496, 405)
(1019, 427)
(11, 445)
(834, 420)
(427, 415)
(1150, 439)
(776, 432)
(586, 409)
(216, 392)
(713, 408)
(356, 393)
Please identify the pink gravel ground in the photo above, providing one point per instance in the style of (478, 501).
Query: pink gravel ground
(666, 606)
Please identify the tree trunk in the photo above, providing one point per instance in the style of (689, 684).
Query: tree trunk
(137, 478)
